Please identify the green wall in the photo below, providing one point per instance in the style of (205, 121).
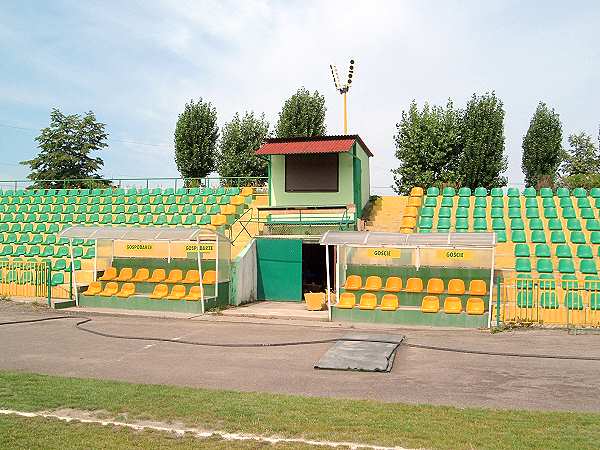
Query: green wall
(365, 175)
(279, 269)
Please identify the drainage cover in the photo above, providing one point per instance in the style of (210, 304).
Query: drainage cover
(362, 352)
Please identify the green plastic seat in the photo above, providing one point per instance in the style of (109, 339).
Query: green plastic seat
(443, 224)
(577, 237)
(573, 225)
(563, 251)
(517, 224)
(481, 192)
(119, 219)
(529, 192)
(531, 202)
(579, 193)
(536, 224)
(159, 209)
(173, 209)
(514, 213)
(573, 300)
(538, 237)
(525, 298)
(447, 192)
(542, 251)
(161, 220)
(169, 199)
(500, 236)
(59, 265)
(496, 192)
(565, 202)
(190, 219)
(532, 213)
(513, 192)
(546, 192)
(133, 219)
(57, 279)
(595, 237)
(464, 192)
(523, 265)
(583, 202)
(118, 209)
(462, 224)
(565, 265)
(427, 212)
(106, 219)
(498, 224)
(431, 192)
(584, 252)
(562, 192)
(156, 200)
(497, 202)
(430, 202)
(514, 202)
(19, 250)
(447, 202)
(517, 236)
(23, 239)
(462, 212)
(548, 300)
(481, 202)
(479, 213)
(595, 192)
(588, 267)
(497, 213)
(145, 209)
(522, 251)
(570, 282)
(547, 282)
(89, 253)
(146, 220)
(175, 220)
(205, 220)
(554, 225)
(587, 213)
(544, 265)
(548, 203)
(550, 213)
(61, 252)
(132, 209)
(445, 213)
(187, 209)
(592, 225)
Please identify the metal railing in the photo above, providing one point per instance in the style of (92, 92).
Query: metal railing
(25, 279)
(556, 302)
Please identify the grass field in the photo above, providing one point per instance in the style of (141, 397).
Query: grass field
(267, 414)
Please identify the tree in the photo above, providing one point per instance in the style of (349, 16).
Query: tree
(542, 147)
(427, 146)
(239, 142)
(65, 147)
(583, 157)
(302, 115)
(483, 161)
(196, 135)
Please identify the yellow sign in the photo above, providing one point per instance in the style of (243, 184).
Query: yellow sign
(160, 249)
(384, 253)
(204, 248)
(461, 255)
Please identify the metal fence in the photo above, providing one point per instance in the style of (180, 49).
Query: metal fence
(548, 302)
(24, 279)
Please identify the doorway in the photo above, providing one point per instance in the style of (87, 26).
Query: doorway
(314, 268)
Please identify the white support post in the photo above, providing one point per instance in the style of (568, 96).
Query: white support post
(73, 283)
(337, 273)
(198, 259)
(217, 267)
(169, 255)
(95, 258)
(492, 284)
(328, 282)
(418, 259)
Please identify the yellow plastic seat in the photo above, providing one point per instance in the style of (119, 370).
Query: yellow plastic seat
(93, 289)
(414, 285)
(194, 294)
(209, 277)
(405, 230)
(125, 274)
(191, 276)
(246, 191)
(110, 289)
(435, 286)
(408, 222)
(417, 191)
(353, 283)
(475, 306)
(373, 283)
(237, 200)
(393, 284)
(177, 293)
(456, 286)
(368, 301)
(141, 275)
(218, 220)
(109, 274)
(414, 201)
(227, 209)
(175, 276)
(452, 305)
(430, 304)
(347, 301)
(477, 287)
(410, 211)
(160, 291)
(389, 302)
(127, 290)
(158, 275)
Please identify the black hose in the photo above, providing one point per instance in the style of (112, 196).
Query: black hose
(85, 320)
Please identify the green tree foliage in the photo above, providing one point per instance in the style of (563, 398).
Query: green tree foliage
(582, 156)
(483, 161)
(542, 147)
(427, 146)
(65, 147)
(240, 139)
(302, 115)
(196, 135)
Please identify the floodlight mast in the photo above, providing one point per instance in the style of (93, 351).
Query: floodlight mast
(343, 88)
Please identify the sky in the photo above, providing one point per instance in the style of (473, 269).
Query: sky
(136, 64)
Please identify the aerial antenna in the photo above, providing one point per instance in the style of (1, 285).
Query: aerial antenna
(343, 88)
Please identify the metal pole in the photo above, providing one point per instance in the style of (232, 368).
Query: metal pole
(73, 283)
(345, 116)
(217, 268)
(491, 283)
(49, 282)
(328, 283)
(200, 274)
(95, 258)
(337, 273)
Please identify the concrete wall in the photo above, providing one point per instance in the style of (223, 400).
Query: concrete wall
(242, 288)
(365, 176)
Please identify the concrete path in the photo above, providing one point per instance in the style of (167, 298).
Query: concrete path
(419, 376)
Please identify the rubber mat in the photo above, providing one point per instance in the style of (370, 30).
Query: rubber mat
(362, 352)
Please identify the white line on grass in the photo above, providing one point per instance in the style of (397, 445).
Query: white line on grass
(202, 434)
